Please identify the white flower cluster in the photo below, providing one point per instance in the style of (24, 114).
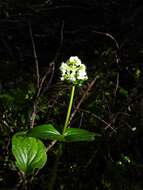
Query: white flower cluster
(73, 71)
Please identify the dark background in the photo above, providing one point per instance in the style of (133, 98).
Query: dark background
(108, 37)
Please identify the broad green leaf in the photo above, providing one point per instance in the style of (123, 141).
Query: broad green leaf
(46, 131)
(29, 152)
(76, 134)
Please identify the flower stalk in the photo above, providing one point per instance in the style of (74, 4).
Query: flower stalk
(73, 72)
(69, 109)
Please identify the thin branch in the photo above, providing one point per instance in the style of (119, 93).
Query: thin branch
(108, 35)
(35, 56)
(81, 120)
(82, 98)
(62, 33)
(51, 69)
(51, 145)
(117, 85)
(40, 84)
(52, 64)
(33, 116)
(91, 159)
(108, 125)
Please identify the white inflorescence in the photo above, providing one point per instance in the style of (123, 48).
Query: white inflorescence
(73, 71)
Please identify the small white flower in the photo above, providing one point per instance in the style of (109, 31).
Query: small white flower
(73, 71)
(82, 75)
(82, 67)
(134, 129)
(75, 59)
(62, 78)
(63, 68)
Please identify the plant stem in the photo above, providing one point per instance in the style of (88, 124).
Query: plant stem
(55, 168)
(69, 109)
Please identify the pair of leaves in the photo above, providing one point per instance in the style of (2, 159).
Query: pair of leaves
(47, 131)
(30, 153)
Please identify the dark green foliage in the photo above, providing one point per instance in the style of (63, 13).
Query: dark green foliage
(75, 135)
(46, 131)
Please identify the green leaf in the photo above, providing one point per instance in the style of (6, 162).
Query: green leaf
(46, 131)
(29, 152)
(76, 134)
(123, 92)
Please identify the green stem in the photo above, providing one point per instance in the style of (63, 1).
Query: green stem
(55, 169)
(69, 109)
